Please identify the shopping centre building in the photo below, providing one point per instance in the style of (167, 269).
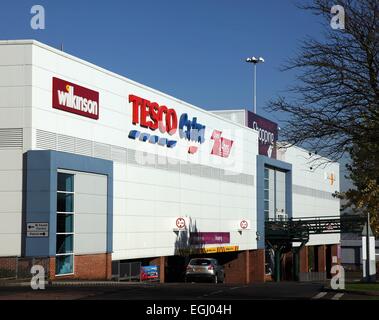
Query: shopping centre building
(97, 170)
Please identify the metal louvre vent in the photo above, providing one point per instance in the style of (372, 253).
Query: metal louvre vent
(51, 141)
(161, 163)
(46, 140)
(66, 143)
(185, 167)
(101, 150)
(174, 165)
(305, 191)
(11, 138)
(118, 154)
(83, 147)
(131, 156)
(195, 170)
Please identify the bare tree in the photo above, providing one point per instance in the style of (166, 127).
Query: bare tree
(335, 103)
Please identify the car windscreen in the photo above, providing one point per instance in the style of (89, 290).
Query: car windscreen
(200, 262)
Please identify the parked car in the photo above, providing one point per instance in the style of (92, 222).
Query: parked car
(204, 268)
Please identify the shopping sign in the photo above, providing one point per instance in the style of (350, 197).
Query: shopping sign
(267, 133)
(73, 98)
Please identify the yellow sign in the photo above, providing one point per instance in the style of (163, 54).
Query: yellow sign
(219, 249)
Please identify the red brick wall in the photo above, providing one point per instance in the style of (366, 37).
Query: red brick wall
(321, 252)
(335, 253)
(247, 267)
(8, 267)
(235, 270)
(257, 265)
(304, 259)
(161, 262)
(87, 267)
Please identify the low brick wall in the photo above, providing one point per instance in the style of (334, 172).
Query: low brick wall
(19, 268)
(87, 267)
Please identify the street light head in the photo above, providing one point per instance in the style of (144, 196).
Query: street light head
(252, 60)
(255, 60)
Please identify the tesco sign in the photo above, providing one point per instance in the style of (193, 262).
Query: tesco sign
(160, 119)
(73, 98)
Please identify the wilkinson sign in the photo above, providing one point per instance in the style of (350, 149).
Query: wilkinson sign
(76, 99)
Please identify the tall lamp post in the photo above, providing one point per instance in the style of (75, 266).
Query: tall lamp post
(255, 61)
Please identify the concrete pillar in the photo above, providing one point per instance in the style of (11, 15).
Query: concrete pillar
(336, 260)
(304, 259)
(335, 254)
(321, 252)
(161, 262)
(162, 267)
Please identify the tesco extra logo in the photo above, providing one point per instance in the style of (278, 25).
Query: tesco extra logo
(160, 119)
(75, 99)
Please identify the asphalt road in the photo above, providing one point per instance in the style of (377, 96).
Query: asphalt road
(180, 291)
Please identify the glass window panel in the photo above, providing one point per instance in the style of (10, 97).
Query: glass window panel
(266, 205)
(266, 185)
(65, 182)
(65, 223)
(266, 173)
(65, 202)
(64, 264)
(266, 194)
(65, 243)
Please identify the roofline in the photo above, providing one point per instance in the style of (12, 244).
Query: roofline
(113, 74)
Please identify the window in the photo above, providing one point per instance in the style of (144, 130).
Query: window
(65, 224)
(266, 194)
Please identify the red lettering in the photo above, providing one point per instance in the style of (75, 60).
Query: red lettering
(151, 115)
(153, 111)
(144, 114)
(171, 121)
(136, 103)
(162, 110)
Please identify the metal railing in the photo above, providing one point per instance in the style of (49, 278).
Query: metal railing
(17, 268)
(126, 271)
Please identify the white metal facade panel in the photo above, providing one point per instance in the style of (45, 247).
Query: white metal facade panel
(10, 202)
(313, 189)
(90, 212)
(146, 197)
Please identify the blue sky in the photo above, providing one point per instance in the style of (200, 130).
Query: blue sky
(193, 50)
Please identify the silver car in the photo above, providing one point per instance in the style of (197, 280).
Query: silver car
(204, 268)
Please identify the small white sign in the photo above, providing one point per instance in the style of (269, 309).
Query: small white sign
(37, 229)
(244, 224)
(180, 224)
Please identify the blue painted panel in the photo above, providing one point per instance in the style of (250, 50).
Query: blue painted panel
(41, 197)
(262, 162)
